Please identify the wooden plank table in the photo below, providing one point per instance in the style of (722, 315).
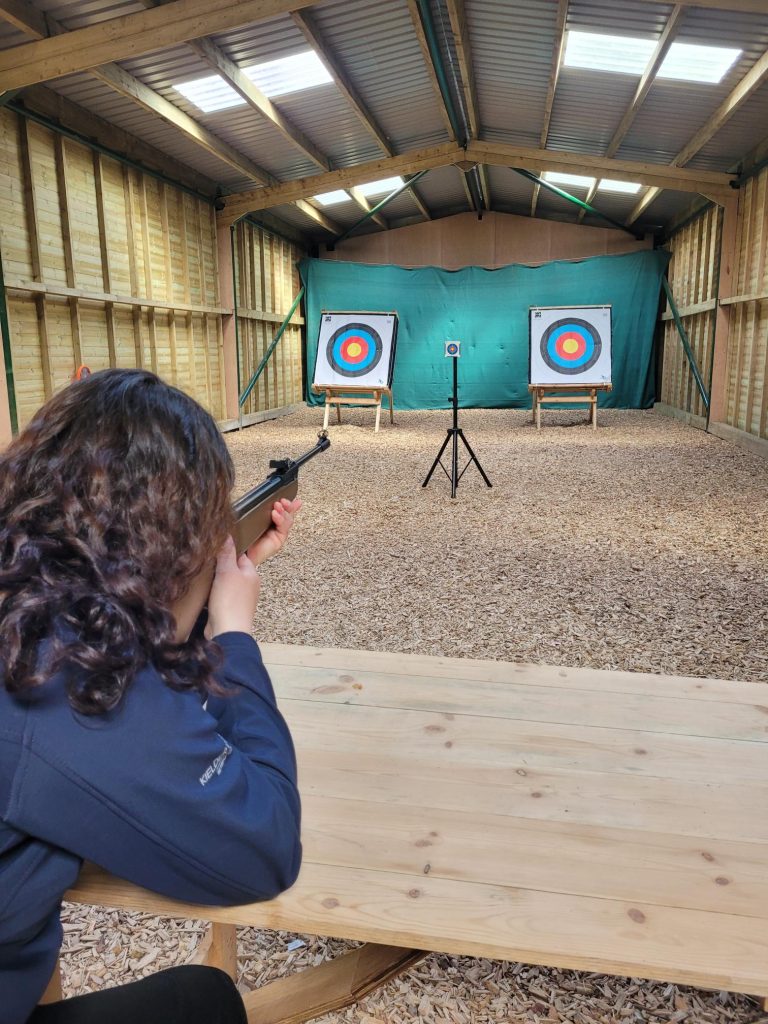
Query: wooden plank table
(601, 821)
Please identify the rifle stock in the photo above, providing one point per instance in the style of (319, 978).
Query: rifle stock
(253, 517)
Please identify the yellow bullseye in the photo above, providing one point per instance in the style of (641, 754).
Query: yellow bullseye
(354, 349)
(570, 345)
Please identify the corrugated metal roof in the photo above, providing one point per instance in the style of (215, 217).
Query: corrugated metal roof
(512, 52)
(374, 41)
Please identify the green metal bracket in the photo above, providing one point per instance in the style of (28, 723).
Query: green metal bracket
(686, 344)
(273, 345)
(6, 332)
(579, 202)
(375, 209)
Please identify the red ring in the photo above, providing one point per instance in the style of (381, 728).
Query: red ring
(571, 355)
(363, 349)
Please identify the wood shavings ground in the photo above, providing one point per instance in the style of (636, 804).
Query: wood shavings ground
(643, 546)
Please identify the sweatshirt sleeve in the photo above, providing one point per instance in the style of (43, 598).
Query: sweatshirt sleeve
(199, 804)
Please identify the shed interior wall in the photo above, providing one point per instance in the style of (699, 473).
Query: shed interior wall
(105, 265)
(497, 240)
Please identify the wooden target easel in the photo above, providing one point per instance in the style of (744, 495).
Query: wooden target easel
(571, 394)
(366, 397)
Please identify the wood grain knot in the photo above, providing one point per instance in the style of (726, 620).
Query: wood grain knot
(333, 688)
(357, 686)
(536, 794)
(330, 903)
(722, 880)
(448, 743)
(707, 855)
(346, 679)
(640, 750)
(434, 728)
(423, 842)
(762, 708)
(521, 771)
(637, 915)
(414, 893)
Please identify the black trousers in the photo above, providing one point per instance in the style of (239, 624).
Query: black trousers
(182, 995)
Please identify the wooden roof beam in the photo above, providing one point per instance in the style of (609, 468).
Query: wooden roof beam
(458, 20)
(478, 152)
(309, 29)
(131, 35)
(749, 84)
(554, 75)
(647, 79)
(236, 78)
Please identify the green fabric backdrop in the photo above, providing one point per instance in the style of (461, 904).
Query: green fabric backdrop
(488, 311)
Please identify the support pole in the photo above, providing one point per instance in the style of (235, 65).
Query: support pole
(723, 314)
(230, 345)
(588, 207)
(273, 345)
(686, 344)
(9, 420)
(375, 209)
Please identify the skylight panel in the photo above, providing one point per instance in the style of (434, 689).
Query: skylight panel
(380, 188)
(689, 62)
(624, 55)
(610, 185)
(330, 198)
(209, 94)
(302, 70)
(558, 178)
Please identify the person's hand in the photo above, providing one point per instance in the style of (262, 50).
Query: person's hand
(234, 593)
(269, 543)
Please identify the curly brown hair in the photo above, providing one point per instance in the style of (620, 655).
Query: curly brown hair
(112, 500)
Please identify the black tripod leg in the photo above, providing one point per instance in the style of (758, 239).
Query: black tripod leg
(437, 460)
(455, 464)
(473, 458)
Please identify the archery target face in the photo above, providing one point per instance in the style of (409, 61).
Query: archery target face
(355, 349)
(570, 345)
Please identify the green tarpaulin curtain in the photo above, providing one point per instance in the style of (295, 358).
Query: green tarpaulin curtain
(487, 310)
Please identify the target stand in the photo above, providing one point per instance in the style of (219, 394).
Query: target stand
(366, 397)
(558, 394)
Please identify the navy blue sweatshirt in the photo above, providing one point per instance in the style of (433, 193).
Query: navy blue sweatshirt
(196, 803)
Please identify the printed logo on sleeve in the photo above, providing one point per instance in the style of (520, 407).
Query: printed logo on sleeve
(215, 767)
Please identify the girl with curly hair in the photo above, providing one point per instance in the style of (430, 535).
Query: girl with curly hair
(162, 758)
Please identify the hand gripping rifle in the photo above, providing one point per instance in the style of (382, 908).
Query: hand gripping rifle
(253, 517)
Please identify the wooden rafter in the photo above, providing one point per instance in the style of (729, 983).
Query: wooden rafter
(120, 81)
(458, 20)
(711, 182)
(554, 75)
(647, 79)
(742, 6)
(749, 84)
(306, 24)
(235, 77)
(131, 35)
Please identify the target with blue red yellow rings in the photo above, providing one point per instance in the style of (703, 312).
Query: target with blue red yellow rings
(355, 349)
(570, 345)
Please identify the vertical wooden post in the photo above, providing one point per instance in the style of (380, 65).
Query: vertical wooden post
(69, 252)
(33, 229)
(106, 272)
(226, 278)
(148, 291)
(728, 256)
(132, 267)
(181, 201)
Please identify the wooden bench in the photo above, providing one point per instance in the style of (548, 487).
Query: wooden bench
(602, 821)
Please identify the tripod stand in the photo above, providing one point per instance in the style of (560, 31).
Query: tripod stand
(454, 434)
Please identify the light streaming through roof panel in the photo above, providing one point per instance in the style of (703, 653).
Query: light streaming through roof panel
(302, 70)
(558, 178)
(209, 94)
(330, 198)
(380, 188)
(624, 55)
(610, 185)
(689, 62)
(629, 55)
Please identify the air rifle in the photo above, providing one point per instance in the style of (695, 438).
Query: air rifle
(253, 517)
